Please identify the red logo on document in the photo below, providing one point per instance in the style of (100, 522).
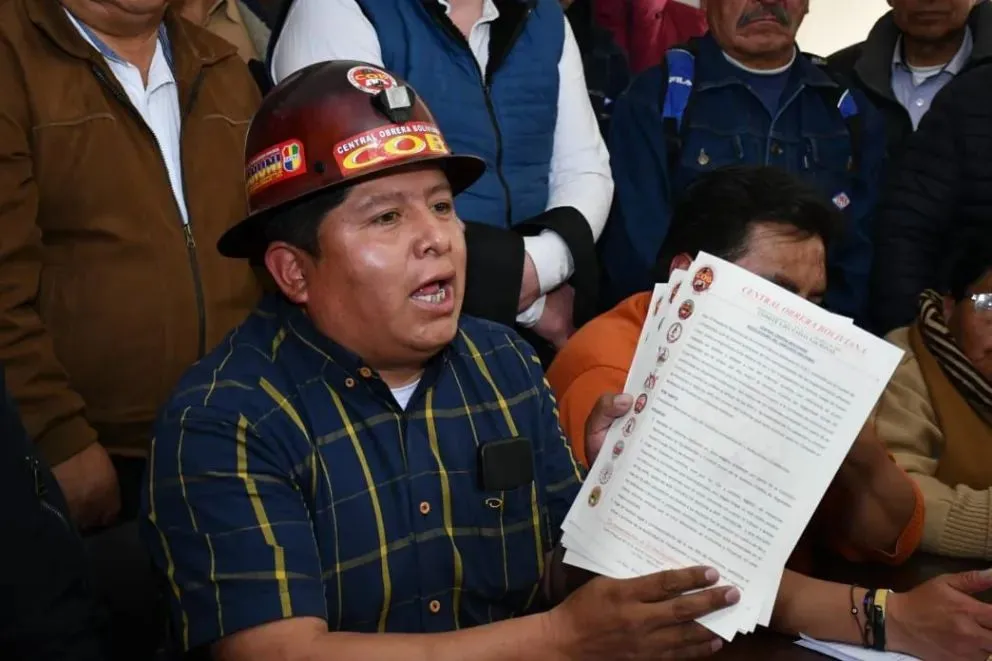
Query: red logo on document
(595, 495)
(618, 449)
(663, 355)
(642, 401)
(675, 292)
(606, 474)
(651, 381)
(674, 332)
(685, 310)
(628, 427)
(657, 307)
(702, 280)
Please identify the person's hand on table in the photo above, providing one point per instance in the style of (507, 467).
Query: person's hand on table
(644, 618)
(940, 620)
(608, 408)
(89, 482)
(555, 324)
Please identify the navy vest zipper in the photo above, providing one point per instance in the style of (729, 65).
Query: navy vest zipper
(496, 57)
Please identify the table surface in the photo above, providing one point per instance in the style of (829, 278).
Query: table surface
(768, 646)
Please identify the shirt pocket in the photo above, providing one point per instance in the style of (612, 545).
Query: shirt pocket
(505, 555)
(827, 162)
(704, 150)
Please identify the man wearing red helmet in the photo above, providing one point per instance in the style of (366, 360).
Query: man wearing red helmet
(359, 458)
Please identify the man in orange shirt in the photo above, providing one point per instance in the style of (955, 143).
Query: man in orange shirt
(772, 224)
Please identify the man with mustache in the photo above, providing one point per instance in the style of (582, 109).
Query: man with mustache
(743, 94)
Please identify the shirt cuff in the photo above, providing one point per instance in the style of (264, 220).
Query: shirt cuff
(552, 260)
(529, 317)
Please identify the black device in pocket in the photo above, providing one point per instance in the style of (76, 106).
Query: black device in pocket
(506, 464)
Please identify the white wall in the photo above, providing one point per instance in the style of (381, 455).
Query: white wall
(835, 24)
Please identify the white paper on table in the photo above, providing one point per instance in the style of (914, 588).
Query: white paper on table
(708, 475)
(850, 652)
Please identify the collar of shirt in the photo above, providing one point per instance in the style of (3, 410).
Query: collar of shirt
(343, 368)
(762, 72)
(489, 11)
(158, 75)
(952, 67)
(714, 69)
(106, 51)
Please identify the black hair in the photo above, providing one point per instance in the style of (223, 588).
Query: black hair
(299, 224)
(973, 263)
(716, 213)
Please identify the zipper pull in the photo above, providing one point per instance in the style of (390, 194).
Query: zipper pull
(190, 241)
(40, 489)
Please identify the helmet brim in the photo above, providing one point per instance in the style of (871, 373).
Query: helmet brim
(246, 240)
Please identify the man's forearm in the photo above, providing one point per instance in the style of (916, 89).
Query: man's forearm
(529, 638)
(881, 500)
(816, 608)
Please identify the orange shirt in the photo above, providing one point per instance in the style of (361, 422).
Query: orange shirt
(595, 362)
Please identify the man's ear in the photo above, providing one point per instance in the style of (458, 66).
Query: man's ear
(288, 267)
(681, 262)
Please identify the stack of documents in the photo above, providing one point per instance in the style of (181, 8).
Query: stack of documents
(747, 400)
(850, 652)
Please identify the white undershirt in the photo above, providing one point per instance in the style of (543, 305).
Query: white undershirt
(157, 103)
(580, 177)
(403, 394)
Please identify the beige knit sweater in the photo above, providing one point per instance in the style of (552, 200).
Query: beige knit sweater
(958, 520)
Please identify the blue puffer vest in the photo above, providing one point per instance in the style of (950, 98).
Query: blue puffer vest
(507, 116)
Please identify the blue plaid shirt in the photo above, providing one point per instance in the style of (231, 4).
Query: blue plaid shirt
(285, 481)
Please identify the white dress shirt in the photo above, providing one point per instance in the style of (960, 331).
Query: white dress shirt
(157, 103)
(580, 177)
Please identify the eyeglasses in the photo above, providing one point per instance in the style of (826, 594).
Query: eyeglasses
(982, 302)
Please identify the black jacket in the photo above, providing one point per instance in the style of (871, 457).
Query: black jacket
(937, 201)
(868, 65)
(47, 611)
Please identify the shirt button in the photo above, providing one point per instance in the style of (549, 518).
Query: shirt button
(349, 382)
(425, 508)
(776, 149)
(365, 372)
(434, 606)
(919, 103)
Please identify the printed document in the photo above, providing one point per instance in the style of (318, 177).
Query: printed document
(747, 399)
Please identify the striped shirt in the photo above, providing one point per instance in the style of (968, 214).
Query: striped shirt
(285, 481)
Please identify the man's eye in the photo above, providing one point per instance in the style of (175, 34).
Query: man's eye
(387, 218)
(443, 208)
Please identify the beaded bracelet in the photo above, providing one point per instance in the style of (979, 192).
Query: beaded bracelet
(857, 622)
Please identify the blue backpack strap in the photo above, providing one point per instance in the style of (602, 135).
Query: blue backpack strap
(678, 73)
(841, 98)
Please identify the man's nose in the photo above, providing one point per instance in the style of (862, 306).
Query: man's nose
(433, 233)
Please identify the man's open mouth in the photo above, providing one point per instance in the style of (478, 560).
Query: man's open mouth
(434, 292)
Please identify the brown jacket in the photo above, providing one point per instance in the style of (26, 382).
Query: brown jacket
(105, 299)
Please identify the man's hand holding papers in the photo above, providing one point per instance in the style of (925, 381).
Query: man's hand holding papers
(644, 618)
(753, 398)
